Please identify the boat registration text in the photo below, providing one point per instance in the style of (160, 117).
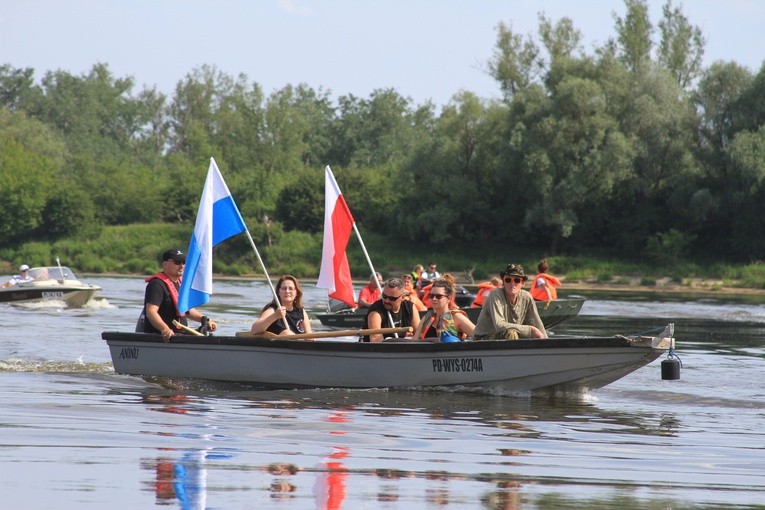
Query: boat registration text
(458, 365)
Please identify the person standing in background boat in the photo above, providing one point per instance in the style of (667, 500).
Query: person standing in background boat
(427, 277)
(160, 302)
(510, 312)
(371, 291)
(391, 305)
(445, 316)
(290, 307)
(22, 277)
(410, 293)
(484, 288)
(544, 286)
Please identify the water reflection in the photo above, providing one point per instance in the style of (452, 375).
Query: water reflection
(517, 432)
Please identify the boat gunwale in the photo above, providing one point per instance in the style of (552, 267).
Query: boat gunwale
(324, 345)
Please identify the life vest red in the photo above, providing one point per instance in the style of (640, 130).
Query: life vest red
(484, 288)
(170, 288)
(426, 295)
(411, 295)
(539, 293)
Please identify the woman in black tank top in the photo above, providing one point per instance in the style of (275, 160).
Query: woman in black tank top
(289, 308)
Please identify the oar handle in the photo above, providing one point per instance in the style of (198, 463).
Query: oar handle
(187, 329)
(328, 334)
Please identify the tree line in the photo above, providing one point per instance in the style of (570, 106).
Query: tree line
(633, 147)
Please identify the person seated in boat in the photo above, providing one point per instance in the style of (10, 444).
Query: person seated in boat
(426, 295)
(160, 302)
(484, 288)
(510, 312)
(22, 277)
(416, 272)
(371, 291)
(544, 286)
(390, 306)
(427, 277)
(445, 315)
(289, 308)
(410, 293)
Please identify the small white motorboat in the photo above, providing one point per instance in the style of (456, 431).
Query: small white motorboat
(55, 283)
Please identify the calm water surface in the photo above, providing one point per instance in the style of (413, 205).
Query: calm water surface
(76, 435)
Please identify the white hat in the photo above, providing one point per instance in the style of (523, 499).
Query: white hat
(23, 267)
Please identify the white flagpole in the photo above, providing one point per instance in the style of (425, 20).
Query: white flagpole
(268, 278)
(374, 273)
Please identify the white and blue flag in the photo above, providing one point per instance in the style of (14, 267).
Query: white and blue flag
(217, 220)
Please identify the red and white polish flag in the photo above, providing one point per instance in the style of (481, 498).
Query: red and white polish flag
(335, 273)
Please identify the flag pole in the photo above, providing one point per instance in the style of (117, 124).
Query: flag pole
(265, 272)
(374, 273)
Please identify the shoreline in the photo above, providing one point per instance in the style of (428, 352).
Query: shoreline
(697, 288)
(663, 286)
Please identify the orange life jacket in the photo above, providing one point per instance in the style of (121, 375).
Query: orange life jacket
(482, 293)
(426, 295)
(411, 295)
(430, 319)
(539, 293)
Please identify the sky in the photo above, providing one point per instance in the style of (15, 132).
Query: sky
(424, 49)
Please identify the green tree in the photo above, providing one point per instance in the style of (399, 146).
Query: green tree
(634, 35)
(448, 189)
(27, 179)
(516, 62)
(681, 49)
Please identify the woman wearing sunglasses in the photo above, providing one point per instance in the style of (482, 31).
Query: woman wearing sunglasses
(510, 312)
(445, 316)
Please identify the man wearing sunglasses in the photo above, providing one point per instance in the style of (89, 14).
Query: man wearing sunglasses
(510, 312)
(160, 306)
(391, 305)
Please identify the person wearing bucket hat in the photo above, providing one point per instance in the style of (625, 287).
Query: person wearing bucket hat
(509, 311)
(160, 306)
(22, 277)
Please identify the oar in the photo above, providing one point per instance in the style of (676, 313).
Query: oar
(327, 334)
(187, 329)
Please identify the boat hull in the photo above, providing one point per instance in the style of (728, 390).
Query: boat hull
(575, 363)
(559, 311)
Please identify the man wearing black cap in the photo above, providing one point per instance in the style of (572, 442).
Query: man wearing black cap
(509, 311)
(160, 304)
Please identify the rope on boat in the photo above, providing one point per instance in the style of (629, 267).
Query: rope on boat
(648, 332)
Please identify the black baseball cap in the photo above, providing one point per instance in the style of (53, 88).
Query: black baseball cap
(175, 255)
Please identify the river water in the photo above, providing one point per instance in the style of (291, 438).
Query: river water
(77, 435)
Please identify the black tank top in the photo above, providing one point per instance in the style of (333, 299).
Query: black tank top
(401, 319)
(294, 319)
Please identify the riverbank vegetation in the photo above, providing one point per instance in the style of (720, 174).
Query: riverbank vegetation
(630, 159)
(135, 249)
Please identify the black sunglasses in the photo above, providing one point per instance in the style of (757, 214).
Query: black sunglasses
(514, 279)
(390, 298)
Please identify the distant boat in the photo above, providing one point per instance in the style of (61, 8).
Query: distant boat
(559, 311)
(560, 363)
(54, 283)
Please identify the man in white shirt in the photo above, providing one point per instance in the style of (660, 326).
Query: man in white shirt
(22, 277)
